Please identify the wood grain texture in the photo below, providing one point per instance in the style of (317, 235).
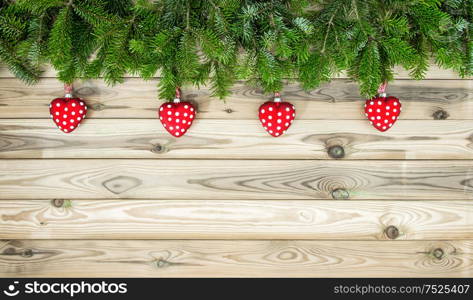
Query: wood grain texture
(86, 258)
(234, 179)
(235, 219)
(339, 99)
(433, 72)
(237, 139)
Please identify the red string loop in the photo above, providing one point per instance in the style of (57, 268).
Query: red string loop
(382, 88)
(68, 88)
(178, 93)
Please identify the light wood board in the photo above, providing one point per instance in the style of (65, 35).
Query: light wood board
(237, 219)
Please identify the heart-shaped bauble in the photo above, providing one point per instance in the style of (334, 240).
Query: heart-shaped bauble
(177, 117)
(383, 112)
(67, 113)
(276, 116)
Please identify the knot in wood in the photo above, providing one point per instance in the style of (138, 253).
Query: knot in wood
(392, 232)
(438, 253)
(228, 110)
(158, 148)
(57, 202)
(340, 194)
(440, 115)
(27, 253)
(336, 152)
(9, 251)
(98, 106)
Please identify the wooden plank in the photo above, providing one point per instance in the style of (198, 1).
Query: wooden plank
(235, 219)
(236, 139)
(434, 72)
(148, 258)
(338, 100)
(235, 179)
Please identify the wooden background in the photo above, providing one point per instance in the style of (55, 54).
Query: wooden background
(121, 197)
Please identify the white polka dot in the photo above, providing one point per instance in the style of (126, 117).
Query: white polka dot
(263, 120)
(57, 113)
(387, 114)
(170, 127)
(169, 105)
(371, 102)
(270, 117)
(81, 103)
(164, 125)
(186, 106)
(184, 121)
(287, 109)
(161, 118)
(71, 120)
(85, 107)
(384, 127)
(372, 118)
(73, 105)
(192, 109)
(394, 110)
(378, 124)
(263, 111)
(270, 131)
(78, 118)
(65, 130)
(177, 127)
(370, 110)
(191, 116)
(161, 108)
(266, 128)
(270, 124)
(395, 103)
(385, 121)
(71, 127)
(278, 128)
(73, 113)
(60, 127)
(81, 111)
(185, 114)
(64, 122)
(388, 107)
(176, 114)
(378, 110)
(182, 130)
(177, 133)
(394, 118)
(66, 109)
(287, 117)
(51, 115)
(378, 118)
(390, 124)
(276, 134)
(169, 112)
(57, 120)
(64, 116)
(178, 120)
(293, 115)
(58, 104)
(270, 108)
(50, 106)
(279, 121)
(379, 103)
(279, 114)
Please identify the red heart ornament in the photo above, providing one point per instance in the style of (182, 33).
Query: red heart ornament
(67, 113)
(276, 116)
(177, 116)
(383, 112)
